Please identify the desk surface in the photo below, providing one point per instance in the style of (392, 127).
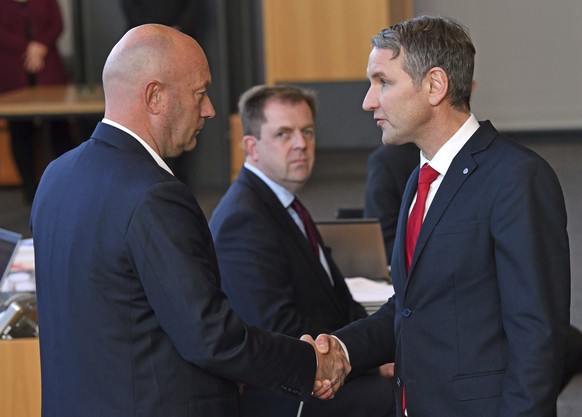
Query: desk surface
(52, 101)
(20, 385)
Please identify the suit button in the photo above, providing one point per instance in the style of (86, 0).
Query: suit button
(398, 382)
(406, 312)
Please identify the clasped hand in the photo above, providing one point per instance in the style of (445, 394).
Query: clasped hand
(34, 56)
(332, 365)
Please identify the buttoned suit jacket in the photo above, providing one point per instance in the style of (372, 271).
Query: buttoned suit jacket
(132, 320)
(477, 326)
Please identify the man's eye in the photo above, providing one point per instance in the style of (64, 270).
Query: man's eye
(284, 135)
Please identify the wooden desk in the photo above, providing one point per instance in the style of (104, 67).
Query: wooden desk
(20, 378)
(9, 175)
(53, 101)
(43, 102)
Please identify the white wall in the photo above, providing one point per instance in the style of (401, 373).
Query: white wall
(529, 59)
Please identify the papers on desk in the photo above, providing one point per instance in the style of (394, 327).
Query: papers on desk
(370, 293)
(21, 276)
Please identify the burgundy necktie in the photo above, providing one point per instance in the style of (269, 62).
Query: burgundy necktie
(425, 178)
(307, 223)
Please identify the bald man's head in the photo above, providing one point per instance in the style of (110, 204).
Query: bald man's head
(144, 53)
(155, 82)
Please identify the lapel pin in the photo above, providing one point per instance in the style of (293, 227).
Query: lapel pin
(465, 171)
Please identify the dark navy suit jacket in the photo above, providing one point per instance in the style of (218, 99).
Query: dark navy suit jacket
(477, 326)
(275, 280)
(271, 274)
(132, 320)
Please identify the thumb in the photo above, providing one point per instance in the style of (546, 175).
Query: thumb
(322, 343)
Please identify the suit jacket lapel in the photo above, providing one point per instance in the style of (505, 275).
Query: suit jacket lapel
(460, 169)
(398, 263)
(288, 226)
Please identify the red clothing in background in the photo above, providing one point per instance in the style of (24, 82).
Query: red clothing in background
(21, 22)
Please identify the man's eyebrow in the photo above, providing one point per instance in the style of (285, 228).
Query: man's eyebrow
(377, 74)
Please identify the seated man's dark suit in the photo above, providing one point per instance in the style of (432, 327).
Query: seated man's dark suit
(132, 320)
(274, 280)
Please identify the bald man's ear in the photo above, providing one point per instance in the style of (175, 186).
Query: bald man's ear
(153, 97)
(250, 146)
(439, 85)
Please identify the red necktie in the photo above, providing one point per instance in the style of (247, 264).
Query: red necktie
(426, 177)
(307, 223)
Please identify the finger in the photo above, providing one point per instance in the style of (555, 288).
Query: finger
(328, 395)
(325, 394)
(317, 385)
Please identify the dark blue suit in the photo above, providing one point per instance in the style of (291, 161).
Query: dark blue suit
(275, 280)
(477, 327)
(132, 321)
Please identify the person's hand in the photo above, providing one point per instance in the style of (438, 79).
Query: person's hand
(387, 370)
(34, 57)
(332, 366)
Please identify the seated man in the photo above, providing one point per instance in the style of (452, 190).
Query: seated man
(389, 167)
(274, 266)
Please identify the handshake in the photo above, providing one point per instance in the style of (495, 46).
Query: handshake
(333, 365)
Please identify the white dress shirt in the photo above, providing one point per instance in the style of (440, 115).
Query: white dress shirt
(442, 160)
(153, 153)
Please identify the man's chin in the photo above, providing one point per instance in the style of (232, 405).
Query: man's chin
(191, 145)
(300, 179)
(387, 140)
(393, 139)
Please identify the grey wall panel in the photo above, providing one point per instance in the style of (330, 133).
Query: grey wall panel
(341, 122)
(529, 53)
(101, 25)
(208, 166)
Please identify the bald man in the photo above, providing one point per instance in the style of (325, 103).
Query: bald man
(131, 318)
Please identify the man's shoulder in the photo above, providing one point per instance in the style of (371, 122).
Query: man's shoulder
(240, 199)
(507, 149)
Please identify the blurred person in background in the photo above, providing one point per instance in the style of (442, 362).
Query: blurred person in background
(29, 30)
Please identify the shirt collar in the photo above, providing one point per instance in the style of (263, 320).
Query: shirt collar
(284, 195)
(153, 153)
(445, 155)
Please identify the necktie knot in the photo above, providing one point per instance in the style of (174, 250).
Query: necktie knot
(427, 174)
(298, 206)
